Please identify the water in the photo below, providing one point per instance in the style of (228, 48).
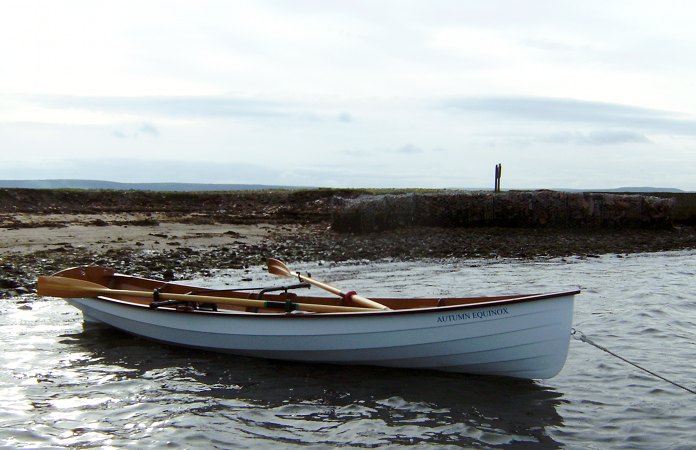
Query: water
(62, 385)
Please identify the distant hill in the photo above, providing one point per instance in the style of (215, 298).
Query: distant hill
(641, 190)
(644, 189)
(112, 185)
(198, 187)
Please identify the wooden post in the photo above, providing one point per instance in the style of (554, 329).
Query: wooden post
(498, 174)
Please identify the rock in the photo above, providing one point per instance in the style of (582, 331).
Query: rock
(6, 283)
(21, 290)
(528, 209)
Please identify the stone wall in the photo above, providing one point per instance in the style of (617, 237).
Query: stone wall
(507, 209)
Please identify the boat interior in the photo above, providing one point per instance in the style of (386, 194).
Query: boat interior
(275, 297)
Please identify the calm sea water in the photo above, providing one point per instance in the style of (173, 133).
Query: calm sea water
(64, 385)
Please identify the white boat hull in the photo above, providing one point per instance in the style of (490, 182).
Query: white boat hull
(525, 338)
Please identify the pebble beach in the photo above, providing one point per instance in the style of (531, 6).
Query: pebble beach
(182, 235)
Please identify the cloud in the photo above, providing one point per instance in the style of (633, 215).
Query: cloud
(150, 129)
(564, 110)
(132, 131)
(345, 117)
(599, 137)
(186, 107)
(408, 149)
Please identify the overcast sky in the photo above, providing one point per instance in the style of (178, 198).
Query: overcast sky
(565, 94)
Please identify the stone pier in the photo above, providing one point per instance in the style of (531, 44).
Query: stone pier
(521, 209)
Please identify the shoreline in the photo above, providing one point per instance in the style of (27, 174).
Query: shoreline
(170, 246)
(182, 235)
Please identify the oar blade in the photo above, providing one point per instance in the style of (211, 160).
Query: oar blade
(66, 287)
(277, 267)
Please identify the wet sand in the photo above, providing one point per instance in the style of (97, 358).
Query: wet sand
(95, 232)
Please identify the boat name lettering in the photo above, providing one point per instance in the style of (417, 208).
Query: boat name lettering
(472, 315)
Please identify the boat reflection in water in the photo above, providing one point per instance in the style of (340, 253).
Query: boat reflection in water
(168, 394)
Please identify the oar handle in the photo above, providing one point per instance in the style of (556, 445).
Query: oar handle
(347, 296)
(278, 267)
(353, 296)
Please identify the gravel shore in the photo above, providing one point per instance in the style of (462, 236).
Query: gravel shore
(158, 240)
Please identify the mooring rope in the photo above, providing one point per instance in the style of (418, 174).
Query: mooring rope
(580, 336)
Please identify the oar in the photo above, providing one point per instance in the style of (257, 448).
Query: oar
(55, 286)
(277, 267)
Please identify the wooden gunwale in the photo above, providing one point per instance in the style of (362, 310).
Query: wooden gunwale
(372, 314)
(112, 280)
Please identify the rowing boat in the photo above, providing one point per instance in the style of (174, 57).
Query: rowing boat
(523, 336)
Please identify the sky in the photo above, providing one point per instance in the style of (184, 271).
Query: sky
(375, 93)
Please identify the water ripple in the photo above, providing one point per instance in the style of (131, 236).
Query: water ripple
(68, 385)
